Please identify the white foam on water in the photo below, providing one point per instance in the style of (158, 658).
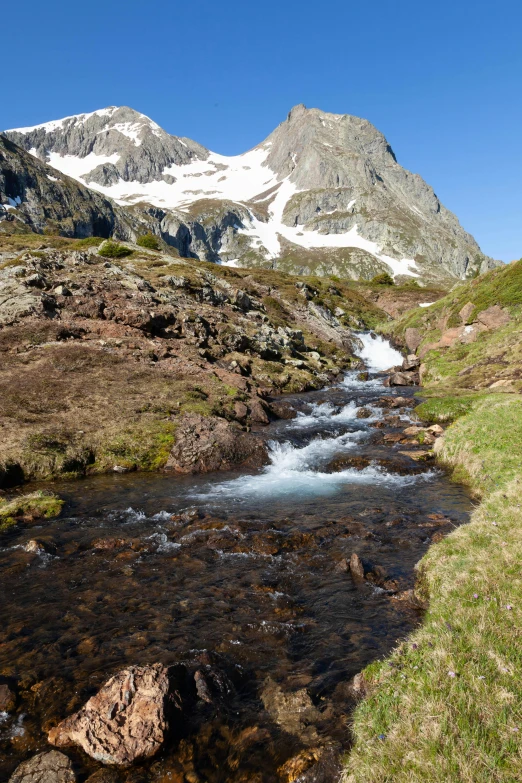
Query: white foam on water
(321, 413)
(377, 353)
(350, 381)
(163, 543)
(296, 471)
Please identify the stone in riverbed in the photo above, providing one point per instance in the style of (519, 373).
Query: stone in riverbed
(356, 568)
(124, 721)
(49, 767)
(411, 362)
(413, 430)
(7, 698)
(403, 379)
(208, 443)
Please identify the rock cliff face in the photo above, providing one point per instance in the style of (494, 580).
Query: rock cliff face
(323, 193)
(43, 198)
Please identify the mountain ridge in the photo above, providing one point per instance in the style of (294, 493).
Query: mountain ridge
(322, 193)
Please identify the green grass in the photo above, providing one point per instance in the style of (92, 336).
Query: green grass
(142, 447)
(420, 724)
(445, 410)
(35, 505)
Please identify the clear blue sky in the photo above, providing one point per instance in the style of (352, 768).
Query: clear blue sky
(442, 80)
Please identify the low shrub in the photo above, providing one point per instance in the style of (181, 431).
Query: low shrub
(111, 249)
(148, 241)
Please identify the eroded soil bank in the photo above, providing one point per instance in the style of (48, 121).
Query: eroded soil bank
(242, 581)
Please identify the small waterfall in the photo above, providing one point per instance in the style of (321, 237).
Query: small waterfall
(377, 353)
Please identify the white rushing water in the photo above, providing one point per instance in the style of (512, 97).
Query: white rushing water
(301, 470)
(377, 353)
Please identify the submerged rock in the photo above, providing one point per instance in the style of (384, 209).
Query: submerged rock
(7, 698)
(124, 721)
(294, 711)
(313, 765)
(356, 568)
(50, 767)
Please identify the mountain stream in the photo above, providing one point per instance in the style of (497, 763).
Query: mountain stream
(241, 576)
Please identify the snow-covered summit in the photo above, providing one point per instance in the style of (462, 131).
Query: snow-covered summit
(320, 185)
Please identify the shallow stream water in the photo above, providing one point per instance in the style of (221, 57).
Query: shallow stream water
(240, 576)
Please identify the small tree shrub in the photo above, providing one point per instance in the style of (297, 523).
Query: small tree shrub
(149, 241)
(111, 249)
(383, 279)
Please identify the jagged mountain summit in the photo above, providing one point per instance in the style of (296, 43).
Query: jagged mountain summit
(322, 194)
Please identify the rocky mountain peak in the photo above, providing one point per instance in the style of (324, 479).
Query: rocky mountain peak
(109, 145)
(322, 193)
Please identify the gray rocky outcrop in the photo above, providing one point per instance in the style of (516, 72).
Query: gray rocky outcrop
(49, 767)
(143, 149)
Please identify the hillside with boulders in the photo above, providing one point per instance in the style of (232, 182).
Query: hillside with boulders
(117, 357)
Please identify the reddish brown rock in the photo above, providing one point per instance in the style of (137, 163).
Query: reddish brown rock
(494, 317)
(258, 413)
(124, 721)
(240, 411)
(393, 437)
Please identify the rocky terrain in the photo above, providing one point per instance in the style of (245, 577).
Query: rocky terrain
(323, 194)
(150, 360)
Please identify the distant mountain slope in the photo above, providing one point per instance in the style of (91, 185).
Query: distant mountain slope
(322, 193)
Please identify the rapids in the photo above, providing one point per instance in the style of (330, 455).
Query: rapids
(241, 576)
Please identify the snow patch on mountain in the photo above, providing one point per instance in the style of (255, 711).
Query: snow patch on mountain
(267, 234)
(58, 124)
(77, 168)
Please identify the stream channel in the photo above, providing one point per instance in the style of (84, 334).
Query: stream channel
(239, 576)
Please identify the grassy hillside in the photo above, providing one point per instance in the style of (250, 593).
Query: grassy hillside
(495, 356)
(447, 705)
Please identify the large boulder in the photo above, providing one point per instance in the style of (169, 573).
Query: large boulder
(49, 767)
(403, 379)
(494, 317)
(413, 339)
(207, 443)
(411, 362)
(124, 721)
(465, 313)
